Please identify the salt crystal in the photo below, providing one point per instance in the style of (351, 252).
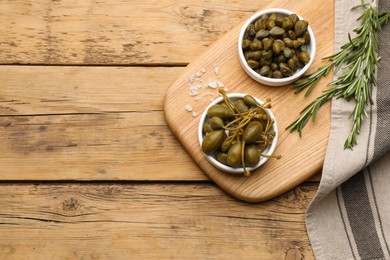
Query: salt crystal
(216, 70)
(226, 89)
(212, 84)
(203, 70)
(198, 74)
(194, 114)
(188, 108)
(220, 84)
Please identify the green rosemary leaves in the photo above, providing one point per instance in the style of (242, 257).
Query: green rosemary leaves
(357, 61)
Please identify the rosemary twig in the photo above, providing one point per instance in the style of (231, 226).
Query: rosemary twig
(358, 62)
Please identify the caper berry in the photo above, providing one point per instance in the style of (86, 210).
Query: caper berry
(241, 106)
(251, 155)
(213, 141)
(220, 111)
(222, 158)
(216, 123)
(234, 154)
(250, 101)
(252, 132)
(207, 127)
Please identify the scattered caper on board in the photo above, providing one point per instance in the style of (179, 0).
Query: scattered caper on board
(237, 132)
(277, 41)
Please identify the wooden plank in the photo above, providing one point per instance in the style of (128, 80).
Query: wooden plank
(88, 123)
(34, 90)
(301, 157)
(165, 221)
(114, 32)
(105, 146)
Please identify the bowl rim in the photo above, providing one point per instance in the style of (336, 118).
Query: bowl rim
(273, 81)
(269, 150)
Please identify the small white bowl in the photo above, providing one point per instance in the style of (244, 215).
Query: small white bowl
(271, 81)
(211, 158)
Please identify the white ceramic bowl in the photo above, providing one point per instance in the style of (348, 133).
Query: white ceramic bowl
(271, 81)
(211, 158)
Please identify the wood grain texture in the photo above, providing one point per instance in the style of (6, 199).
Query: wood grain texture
(114, 32)
(301, 157)
(88, 123)
(142, 221)
(52, 90)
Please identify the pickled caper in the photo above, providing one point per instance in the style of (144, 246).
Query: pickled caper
(222, 158)
(294, 18)
(207, 127)
(241, 106)
(279, 21)
(267, 43)
(277, 74)
(300, 27)
(267, 54)
(288, 52)
(262, 34)
(252, 132)
(274, 66)
(251, 30)
(287, 23)
(256, 45)
(253, 64)
(212, 141)
(291, 64)
(286, 71)
(216, 123)
(265, 62)
(234, 154)
(277, 32)
(306, 36)
(264, 71)
(246, 44)
(291, 35)
(288, 42)
(252, 55)
(304, 56)
(260, 24)
(220, 111)
(251, 155)
(250, 101)
(270, 24)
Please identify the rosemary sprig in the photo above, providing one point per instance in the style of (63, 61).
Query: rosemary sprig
(358, 61)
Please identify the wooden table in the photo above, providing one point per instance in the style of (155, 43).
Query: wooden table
(89, 168)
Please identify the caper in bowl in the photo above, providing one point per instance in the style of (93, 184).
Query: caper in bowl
(238, 133)
(276, 47)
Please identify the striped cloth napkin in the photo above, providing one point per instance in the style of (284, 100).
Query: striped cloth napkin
(349, 218)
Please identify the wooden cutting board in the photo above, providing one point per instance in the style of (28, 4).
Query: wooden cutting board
(301, 157)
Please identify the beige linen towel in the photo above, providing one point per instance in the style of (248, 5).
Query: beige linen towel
(350, 216)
